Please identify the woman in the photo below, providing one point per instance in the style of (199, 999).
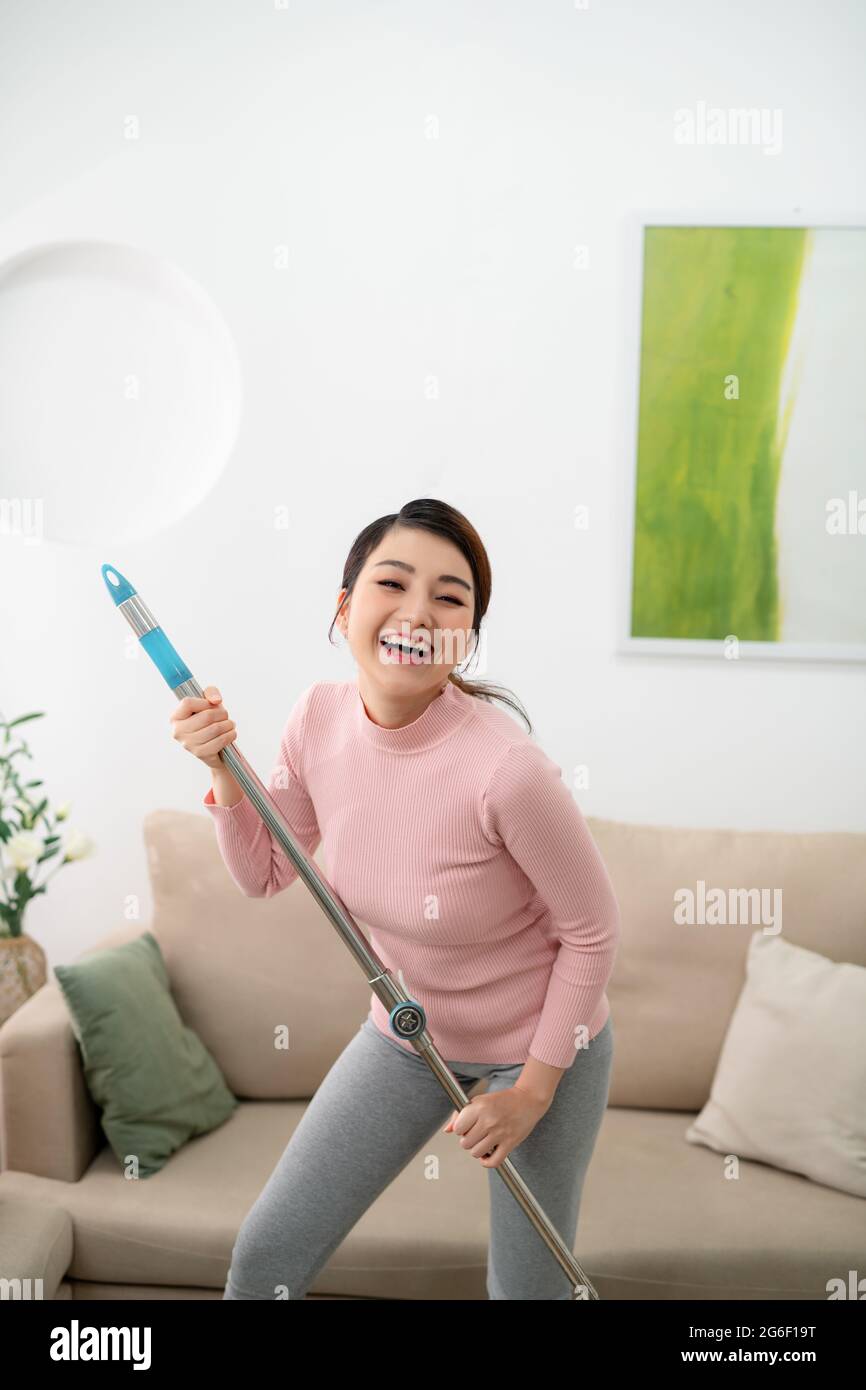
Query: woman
(452, 835)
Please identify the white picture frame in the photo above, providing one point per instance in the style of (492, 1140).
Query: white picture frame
(632, 234)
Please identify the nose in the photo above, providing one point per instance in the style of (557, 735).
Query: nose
(415, 618)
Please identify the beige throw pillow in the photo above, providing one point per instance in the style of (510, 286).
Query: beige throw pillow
(790, 1084)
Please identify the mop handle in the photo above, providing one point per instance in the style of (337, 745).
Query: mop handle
(406, 1016)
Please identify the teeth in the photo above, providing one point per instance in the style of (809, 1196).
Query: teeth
(397, 644)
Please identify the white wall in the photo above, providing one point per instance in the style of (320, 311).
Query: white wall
(410, 258)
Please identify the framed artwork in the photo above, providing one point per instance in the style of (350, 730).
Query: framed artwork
(747, 470)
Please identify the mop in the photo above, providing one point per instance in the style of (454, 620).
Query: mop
(406, 1017)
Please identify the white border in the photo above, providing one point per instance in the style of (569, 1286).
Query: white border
(632, 227)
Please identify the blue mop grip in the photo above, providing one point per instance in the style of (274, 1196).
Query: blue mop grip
(165, 658)
(163, 655)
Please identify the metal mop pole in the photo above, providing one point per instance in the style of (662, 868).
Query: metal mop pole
(407, 1017)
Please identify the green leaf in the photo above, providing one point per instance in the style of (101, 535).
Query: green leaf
(22, 718)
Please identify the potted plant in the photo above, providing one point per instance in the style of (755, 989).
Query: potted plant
(23, 848)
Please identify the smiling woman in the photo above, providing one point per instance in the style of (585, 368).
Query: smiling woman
(451, 835)
(416, 585)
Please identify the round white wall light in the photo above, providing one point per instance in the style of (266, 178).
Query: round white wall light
(121, 390)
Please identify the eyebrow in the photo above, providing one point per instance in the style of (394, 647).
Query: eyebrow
(443, 578)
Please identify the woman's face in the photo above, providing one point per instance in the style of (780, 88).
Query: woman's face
(400, 594)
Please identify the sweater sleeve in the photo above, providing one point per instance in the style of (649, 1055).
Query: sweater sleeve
(255, 861)
(528, 809)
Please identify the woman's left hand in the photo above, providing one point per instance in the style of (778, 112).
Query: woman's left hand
(494, 1123)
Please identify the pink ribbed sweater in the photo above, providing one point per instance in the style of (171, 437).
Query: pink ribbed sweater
(456, 845)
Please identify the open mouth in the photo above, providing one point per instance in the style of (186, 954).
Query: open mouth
(401, 652)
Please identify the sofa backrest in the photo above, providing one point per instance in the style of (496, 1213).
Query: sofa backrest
(266, 983)
(675, 983)
(250, 974)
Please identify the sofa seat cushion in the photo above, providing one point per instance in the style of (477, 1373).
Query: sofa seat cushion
(658, 1218)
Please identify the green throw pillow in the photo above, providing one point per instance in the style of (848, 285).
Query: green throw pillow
(156, 1082)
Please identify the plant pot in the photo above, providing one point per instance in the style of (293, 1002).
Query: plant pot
(22, 972)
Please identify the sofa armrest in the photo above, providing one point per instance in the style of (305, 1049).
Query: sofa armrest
(49, 1123)
(36, 1240)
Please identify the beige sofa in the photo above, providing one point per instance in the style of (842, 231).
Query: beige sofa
(658, 1218)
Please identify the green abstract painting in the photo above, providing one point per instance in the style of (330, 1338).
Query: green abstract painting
(751, 438)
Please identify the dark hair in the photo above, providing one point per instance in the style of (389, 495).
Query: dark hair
(428, 514)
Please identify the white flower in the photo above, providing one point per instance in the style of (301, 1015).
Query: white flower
(23, 849)
(63, 811)
(77, 845)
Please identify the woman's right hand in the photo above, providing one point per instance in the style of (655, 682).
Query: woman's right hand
(203, 727)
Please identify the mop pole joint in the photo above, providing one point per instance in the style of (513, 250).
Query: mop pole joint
(407, 1020)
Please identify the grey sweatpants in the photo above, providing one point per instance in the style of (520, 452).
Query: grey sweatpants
(368, 1118)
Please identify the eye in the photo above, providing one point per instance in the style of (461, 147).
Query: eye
(449, 598)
